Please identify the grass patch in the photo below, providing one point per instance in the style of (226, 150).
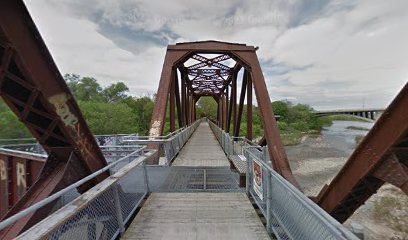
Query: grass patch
(290, 138)
(358, 128)
(344, 118)
(393, 210)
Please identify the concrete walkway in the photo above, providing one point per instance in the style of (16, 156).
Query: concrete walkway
(197, 216)
(202, 150)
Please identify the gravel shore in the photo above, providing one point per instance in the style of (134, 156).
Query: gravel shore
(315, 162)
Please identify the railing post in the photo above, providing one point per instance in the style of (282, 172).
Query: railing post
(118, 210)
(249, 174)
(146, 178)
(268, 201)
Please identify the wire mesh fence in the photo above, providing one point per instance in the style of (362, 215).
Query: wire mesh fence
(103, 211)
(100, 213)
(288, 212)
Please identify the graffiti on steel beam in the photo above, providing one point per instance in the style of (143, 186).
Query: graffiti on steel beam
(21, 178)
(60, 103)
(155, 129)
(3, 171)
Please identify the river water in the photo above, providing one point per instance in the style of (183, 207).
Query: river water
(340, 135)
(319, 158)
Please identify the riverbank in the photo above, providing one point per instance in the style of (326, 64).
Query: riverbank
(319, 158)
(292, 137)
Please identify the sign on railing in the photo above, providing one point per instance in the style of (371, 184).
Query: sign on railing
(257, 180)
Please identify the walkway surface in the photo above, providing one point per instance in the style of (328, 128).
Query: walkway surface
(226, 214)
(197, 216)
(202, 150)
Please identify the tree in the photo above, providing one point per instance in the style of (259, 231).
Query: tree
(84, 89)
(281, 108)
(108, 118)
(207, 107)
(115, 92)
(10, 125)
(142, 108)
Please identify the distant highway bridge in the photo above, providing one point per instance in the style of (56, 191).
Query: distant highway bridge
(369, 113)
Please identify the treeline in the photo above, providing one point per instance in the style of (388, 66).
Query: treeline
(108, 110)
(294, 120)
(111, 110)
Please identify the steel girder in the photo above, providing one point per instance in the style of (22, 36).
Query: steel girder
(212, 77)
(33, 88)
(381, 157)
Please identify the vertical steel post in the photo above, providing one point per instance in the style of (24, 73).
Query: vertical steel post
(183, 99)
(268, 201)
(249, 173)
(172, 102)
(118, 210)
(249, 108)
(241, 103)
(234, 101)
(146, 178)
(177, 93)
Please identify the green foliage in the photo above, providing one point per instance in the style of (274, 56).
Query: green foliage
(109, 118)
(142, 109)
(207, 107)
(10, 125)
(100, 105)
(84, 89)
(115, 92)
(298, 117)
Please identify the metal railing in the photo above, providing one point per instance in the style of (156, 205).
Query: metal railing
(117, 146)
(288, 212)
(170, 144)
(103, 211)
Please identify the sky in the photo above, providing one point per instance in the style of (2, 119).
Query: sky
(330, 54)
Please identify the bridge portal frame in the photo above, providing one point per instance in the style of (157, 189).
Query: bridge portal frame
(246, 58)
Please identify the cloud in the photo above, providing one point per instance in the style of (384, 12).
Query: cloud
(326, 53)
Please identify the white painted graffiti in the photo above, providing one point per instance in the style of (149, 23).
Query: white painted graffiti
(3, 170)
(60, 103)
(155, 129)
(21, 180)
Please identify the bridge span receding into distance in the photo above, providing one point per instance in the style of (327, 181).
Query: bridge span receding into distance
(131, 186)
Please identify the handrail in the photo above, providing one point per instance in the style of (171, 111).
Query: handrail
(288, 212)
(21, 153)
(42, 203)
(171, 138)
(103, 135)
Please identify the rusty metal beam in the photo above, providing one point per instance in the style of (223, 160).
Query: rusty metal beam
(275, 146)
(33, 88)
(241, 103)
(177, 93)
(380, 157)
(172, 102)
(234, 102)
(159, 111)
(249, 108)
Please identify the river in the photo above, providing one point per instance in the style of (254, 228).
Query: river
(319, 158)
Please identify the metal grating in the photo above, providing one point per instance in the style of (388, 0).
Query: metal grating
(193, 179)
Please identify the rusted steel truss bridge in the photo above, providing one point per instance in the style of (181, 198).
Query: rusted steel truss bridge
(32, 86)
